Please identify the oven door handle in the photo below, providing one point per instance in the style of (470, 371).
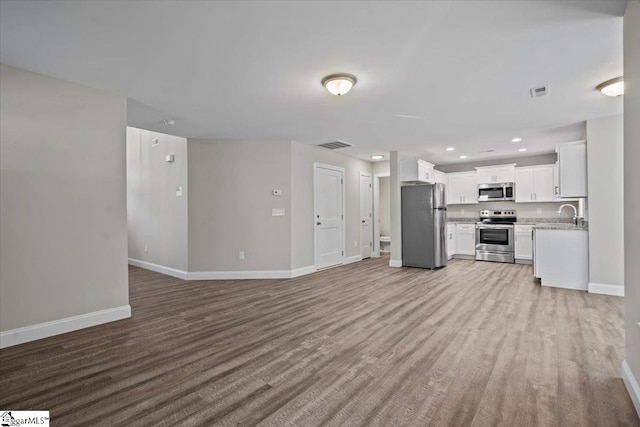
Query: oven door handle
(481, 227)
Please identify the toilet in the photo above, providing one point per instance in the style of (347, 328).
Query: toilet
(385, 243)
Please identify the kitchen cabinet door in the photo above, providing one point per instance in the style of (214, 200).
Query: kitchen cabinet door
(451, 240)
(572, 169)
(469, 188)
(524, 242)
(495, 174)
(466, 239)
(524, 185)
(543, 188)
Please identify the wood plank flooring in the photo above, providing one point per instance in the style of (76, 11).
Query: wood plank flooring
(473, 344)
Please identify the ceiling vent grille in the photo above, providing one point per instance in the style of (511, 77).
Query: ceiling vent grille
(335, 145)
(540, 91)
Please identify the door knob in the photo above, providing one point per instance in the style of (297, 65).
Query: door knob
(363, 221)
(318, 223)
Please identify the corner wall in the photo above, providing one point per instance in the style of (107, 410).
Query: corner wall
(230, 202)
(63, 240)
(631, 366)
(156, 215)
(605, 157)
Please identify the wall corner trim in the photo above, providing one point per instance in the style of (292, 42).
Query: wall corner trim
(169, 271)
(605, 289)
(61, 326)
(632, 385)
(395, 263)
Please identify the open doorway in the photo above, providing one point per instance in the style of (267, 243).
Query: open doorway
(382, 214)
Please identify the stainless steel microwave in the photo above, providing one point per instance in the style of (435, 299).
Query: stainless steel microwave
(496, 192)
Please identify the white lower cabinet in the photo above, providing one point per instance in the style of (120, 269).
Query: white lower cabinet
(451, 240)
(524, 242)
(465, 239)
(562, 258)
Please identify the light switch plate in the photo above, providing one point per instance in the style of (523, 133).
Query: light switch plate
(179, 192)
(277, 212)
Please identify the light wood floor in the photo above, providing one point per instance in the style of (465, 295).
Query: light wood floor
(474, 343)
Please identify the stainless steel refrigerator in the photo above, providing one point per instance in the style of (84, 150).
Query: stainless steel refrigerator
(424, 223)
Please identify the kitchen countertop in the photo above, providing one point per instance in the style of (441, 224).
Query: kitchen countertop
(560, 226)
(537, 223)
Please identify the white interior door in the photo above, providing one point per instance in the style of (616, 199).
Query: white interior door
(328, 216)
(366, 215)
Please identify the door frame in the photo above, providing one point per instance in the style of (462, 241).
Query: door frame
(340, 169)
(370, 176)
(376, 212)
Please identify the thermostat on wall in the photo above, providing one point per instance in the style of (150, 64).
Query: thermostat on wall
(277, 192)
(170, 158)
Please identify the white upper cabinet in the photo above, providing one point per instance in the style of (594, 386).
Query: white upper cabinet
(439, 177)
(417, 171)
(535, 184)
(462, 188)
(572, 169)
(495, 174)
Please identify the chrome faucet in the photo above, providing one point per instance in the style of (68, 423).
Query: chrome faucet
(575, 212)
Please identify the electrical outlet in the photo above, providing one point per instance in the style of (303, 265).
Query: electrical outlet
(179, 192)
(539, 211)
(146, 248)
(461, 211)
(355, 243)
(241, 255)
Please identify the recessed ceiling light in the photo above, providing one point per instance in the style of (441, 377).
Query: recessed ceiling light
(339, 84)
(168, 122)
(463, 157)
(450, 149)
(377, 157)
(516, 140)
(613, 87)
(522, 150)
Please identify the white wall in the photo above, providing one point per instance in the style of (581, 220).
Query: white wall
(63, 246)
(302, 224)
(156, 217)
(605, 156)
(631, 191)
(230, 202)
(385, 206)
(380, 167)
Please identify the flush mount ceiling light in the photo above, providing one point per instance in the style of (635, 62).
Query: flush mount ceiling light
(450, 148)
(516, 140)
(377, 157)
(463, 157)
(613, 87)
(339, 84)
(168, 122)
(522, 150)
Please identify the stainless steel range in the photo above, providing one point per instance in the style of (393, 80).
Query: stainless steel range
(494, 236)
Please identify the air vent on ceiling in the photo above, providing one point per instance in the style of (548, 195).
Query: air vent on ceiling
(335, 145)
(540, 91)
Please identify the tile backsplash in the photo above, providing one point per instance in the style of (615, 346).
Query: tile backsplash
(524, 210)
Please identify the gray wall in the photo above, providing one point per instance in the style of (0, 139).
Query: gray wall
(632, 178)
(230, 202)
(156, 217)
(63, 246)
(302, 159)
(605, 144)
(544, 159)
(385, 206)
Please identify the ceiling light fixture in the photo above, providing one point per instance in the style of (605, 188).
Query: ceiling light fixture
(377, 157)
(450, 148)
(522, 150)
(516, 140)
(339, 84)
(168, 122)
(613, 87)
(463, 157)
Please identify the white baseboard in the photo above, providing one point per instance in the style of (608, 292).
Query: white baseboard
(56, 327)
(632, 385)
(603, 288)
(302, 271)
(395, 263)
(169, 271)
(352, 259)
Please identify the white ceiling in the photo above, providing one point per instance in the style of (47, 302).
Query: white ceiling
(252, 70)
